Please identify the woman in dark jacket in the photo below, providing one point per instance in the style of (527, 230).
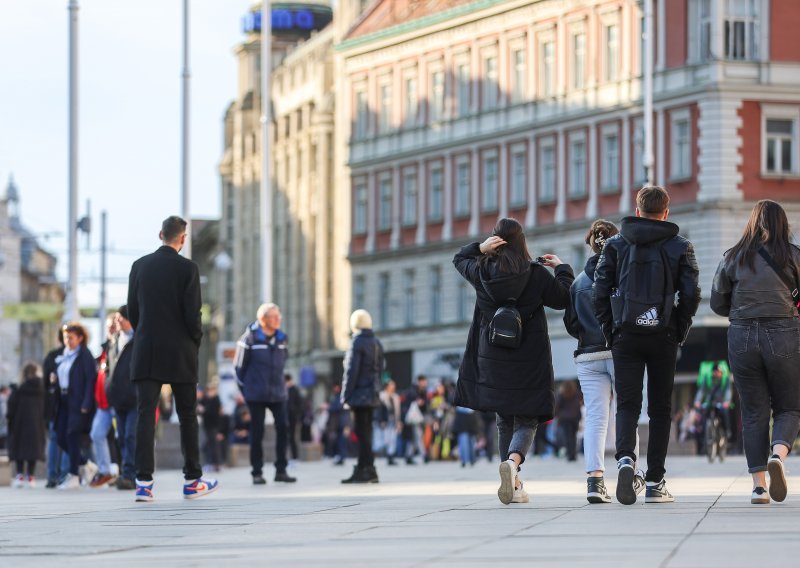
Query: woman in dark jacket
(516, 383)
(753, 288)
(363, 365)
(77, 374)
(26, 425)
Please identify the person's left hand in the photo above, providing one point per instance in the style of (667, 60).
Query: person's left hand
(551, 260)
(490, 245)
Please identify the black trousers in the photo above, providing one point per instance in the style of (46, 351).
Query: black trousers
(633, 353)
(362, 417)
(148, 393)
(293, 435)
(258, 411)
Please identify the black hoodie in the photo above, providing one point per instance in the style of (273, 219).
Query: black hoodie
(680, 253)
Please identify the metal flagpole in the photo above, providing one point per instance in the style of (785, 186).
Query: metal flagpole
(266, 181)
(648, 158)
(185, 211)
(71, 300)
(101, 312)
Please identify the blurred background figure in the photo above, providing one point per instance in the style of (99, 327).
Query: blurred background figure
(210, 410)
(294, 411)
(568, 413)
(466, 427)
(388, 424)
(26, 425)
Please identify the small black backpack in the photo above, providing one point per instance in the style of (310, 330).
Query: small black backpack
(505, 327)
(645, 294)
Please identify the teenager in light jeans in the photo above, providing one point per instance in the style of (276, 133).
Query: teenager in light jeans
(595, 367)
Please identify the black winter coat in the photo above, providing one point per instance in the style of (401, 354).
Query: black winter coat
(50, 389)
(26, 431)
(363, 365)
(680, 252)
(519, 381)
(579, 318)
(120, 390)
(164, 308)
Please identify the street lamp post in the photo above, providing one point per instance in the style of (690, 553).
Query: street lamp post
(71, 300)
(647, 71)
(185, 75)
(265, 194)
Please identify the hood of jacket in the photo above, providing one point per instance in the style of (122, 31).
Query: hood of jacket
(591, 265)
(642, 231)
(502, 286)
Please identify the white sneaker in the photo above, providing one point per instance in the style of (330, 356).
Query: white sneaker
(70, 482)
(87, 472)
(19, 481)
(520, 495)
(508, 477)
(31, 482)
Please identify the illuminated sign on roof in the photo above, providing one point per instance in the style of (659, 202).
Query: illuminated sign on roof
(288, 20)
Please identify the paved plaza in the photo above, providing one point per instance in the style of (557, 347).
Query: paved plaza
(433, 515)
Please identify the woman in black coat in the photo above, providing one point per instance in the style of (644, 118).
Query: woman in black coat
(363, 365)
(516, 383)
(77, 374)
(26, 425)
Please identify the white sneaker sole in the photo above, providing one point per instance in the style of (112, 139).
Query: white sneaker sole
(144, 499)
(659, 499)
(596, 498)
(777, 480)
(506, 491)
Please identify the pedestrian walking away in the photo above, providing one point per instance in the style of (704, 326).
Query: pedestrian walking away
(507, 366)
(361, 383)
(102, 422)
(595, 367)
(756, 287)
(57, 460)
(261, 355)
(26, 426)
(639, 275)
(164, 311)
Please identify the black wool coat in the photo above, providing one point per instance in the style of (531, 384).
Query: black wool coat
(510, 381)
(363, 365)
(164, 308)
(26, 421)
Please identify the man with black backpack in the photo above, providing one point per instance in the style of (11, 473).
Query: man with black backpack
(639, 274)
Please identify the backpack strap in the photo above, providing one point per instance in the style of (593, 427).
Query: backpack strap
(782, 275)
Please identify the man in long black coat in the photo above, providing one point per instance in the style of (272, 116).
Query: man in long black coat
(164, 309)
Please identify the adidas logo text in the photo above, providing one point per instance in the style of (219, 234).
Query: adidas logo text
(649, 318)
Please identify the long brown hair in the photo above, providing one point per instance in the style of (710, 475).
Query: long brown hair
(768, 226)
(600, 231)
(513, 257)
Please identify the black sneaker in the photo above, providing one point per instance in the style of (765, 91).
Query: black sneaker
(51, 484)
(658, 493)
(626, 494)
(596, 490)
(259, 480)
(777, 478)
(284, 477)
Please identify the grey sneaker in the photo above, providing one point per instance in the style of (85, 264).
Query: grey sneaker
(777, 478)
(596, 490)
(658, 493)
(626, 494)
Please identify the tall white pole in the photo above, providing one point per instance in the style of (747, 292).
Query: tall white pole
(647, 70)
(71, 301)
(101, 312)
(185, 211)
(266, 181)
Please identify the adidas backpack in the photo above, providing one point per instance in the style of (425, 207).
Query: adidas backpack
(645, 294)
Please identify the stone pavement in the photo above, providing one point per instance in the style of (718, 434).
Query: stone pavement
(433, 515)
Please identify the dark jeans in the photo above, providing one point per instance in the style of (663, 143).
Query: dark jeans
(212, 447)
(70, 442)
(362, 418)
(764, 356)
(293, 435)
(148, 393)
(126, 432)
(633, 353)
(515, 435)
(569, 433)
(258, 411)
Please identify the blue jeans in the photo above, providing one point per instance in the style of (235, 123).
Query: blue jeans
(515, 435)
(764, 355)
(466, 448)
(126, 434)
(101, 424)
(57, 460)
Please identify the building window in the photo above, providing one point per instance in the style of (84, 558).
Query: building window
(411, 103)
(490, 183)
(578, 60)
(385, 206)
(610, 161)
(462, 196)
(435, 193)
(409, 197)
(385, 118)
(638, 151)
(359, 291)
(360, 207)
(436, 294)
(490, 84)
(362, 115)
(681, 151)
(408, 298)
(704, 19)
(519, 176)
(577, 172)
(463, 300)
(463, 80)
(437, 96)
(741, 29)
(612, 52)
(548, 69)
(383, 300)
(781, 146)
(547, 171)
(518, 87)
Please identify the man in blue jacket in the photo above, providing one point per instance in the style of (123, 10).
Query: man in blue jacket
(261, 355)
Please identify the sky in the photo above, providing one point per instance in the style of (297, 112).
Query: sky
(130, 62)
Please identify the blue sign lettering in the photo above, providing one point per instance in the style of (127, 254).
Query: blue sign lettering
(282, 20)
